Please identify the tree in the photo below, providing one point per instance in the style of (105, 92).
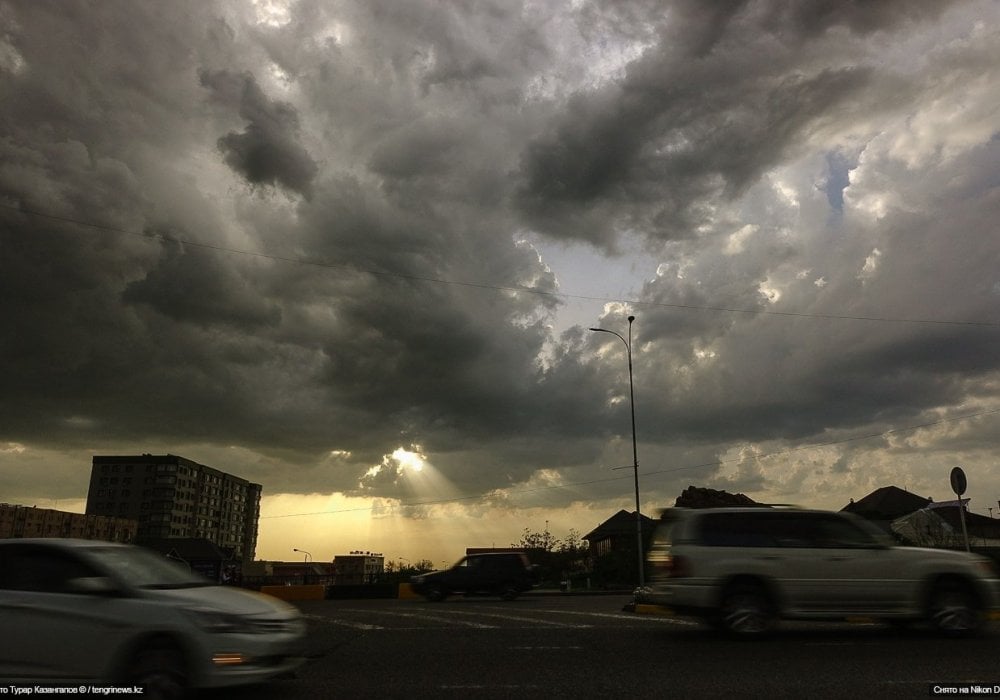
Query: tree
(574, 543)
(557, 559)
(401, 571)
(544, 541)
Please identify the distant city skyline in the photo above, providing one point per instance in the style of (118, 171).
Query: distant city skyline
(281, 534)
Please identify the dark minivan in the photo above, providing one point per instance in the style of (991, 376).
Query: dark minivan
(507, 574)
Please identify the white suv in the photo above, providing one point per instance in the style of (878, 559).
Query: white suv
(742, 569)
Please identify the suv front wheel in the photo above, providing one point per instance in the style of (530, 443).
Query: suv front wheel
(746, 611)
(953, 610)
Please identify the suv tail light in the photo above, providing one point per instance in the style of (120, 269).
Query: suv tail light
(672, 566)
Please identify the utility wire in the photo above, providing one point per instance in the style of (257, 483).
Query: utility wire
(657, 472)
(493, 287)
(532, 290)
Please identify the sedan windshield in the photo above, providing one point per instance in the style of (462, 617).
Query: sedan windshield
(144, 569)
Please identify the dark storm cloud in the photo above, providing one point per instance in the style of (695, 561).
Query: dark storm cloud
(755, 376)
(195, 286)
(644, 159)
(700, 116)
(809, 158)
(267, 151)
(814, 17)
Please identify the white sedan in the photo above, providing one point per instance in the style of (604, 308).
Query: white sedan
(82, 611)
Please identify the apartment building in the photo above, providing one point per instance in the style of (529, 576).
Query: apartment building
(29, 521)
(171, 496)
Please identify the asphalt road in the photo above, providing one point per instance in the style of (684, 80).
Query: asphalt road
(585, 647)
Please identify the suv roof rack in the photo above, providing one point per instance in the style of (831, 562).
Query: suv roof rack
(666, 512)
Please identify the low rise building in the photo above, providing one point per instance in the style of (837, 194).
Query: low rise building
(29, 521)
(358, 568)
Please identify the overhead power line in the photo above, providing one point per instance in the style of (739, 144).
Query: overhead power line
(494, 287)
(656, 472)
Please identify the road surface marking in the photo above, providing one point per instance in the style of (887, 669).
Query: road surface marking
(516, 618)
(625, 616)
(345, 623)
(438, 618)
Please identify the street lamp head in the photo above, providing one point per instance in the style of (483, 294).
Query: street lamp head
(631, 318)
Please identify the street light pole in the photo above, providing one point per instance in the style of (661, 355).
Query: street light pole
(302, 551)
(635, 449)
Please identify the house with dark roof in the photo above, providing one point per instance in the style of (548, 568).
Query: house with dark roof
(618, 533)
(887, 504)
(612, 548)
(920, 521)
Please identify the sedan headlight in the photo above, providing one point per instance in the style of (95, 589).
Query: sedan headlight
(218, 622)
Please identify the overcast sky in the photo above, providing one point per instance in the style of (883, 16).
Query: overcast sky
(351, 251)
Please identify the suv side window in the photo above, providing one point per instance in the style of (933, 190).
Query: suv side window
(738, 530)
(842, 533)
(810, 531)
(782, 529)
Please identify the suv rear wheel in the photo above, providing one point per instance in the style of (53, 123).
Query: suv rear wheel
(746, 611)
(953, 610)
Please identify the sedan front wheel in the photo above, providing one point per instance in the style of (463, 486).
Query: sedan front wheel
(160, 670)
